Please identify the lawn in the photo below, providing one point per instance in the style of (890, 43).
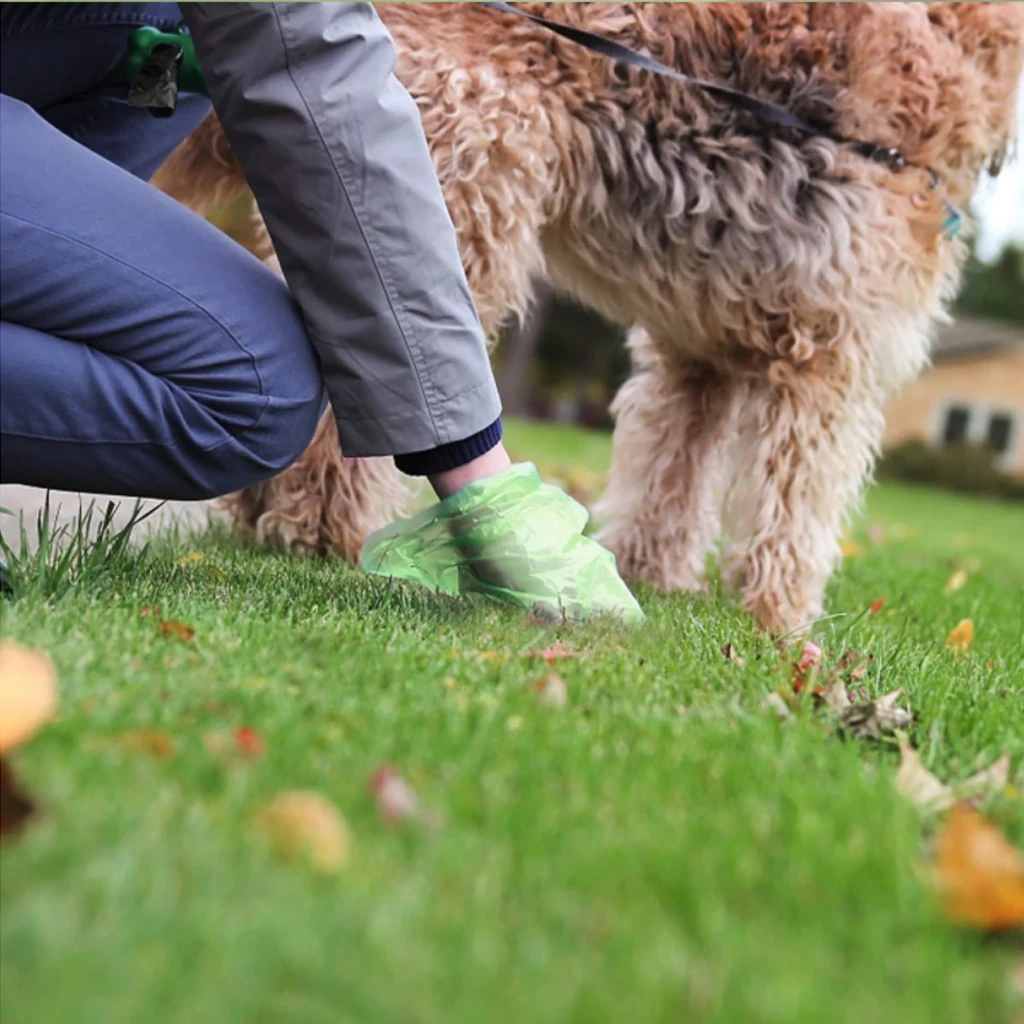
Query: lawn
(660, 848)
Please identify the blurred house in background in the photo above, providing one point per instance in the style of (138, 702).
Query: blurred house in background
(972, 394)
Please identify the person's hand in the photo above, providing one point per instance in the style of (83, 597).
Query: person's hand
(511, 538)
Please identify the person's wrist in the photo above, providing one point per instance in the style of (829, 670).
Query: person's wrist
(489, 464)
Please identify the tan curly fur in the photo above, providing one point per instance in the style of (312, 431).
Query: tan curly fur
(778, 288)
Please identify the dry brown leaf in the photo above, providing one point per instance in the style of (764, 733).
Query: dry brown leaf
(143, 741)
(875, 718)
(16, 806)
(730, 654)
(552, 691)
(176, 630)
(1018, 980)
(962, 637)
(305, 826)
(928, 793)
(835, 697)
(855, 665)
(956, 582)
(988, 781)
(775, 703)
(28, 693)
(918, 785)
(981, 875)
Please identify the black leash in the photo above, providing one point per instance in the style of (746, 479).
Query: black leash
(769, 113)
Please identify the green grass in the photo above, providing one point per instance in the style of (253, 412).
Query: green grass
(662, 848)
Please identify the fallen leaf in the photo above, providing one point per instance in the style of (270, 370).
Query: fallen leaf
(143, 741)
(217, 744)
(730, 653)
(248, 741)
(28, 693)
(918, 785)
(176, 630)
(980, 874)
(850, 549)
(155, 610)
(195, 556)
(873, 719)
(808, 661)
(1018, 980)
(16, 806)
(956, 582)
(835, 697)
(552, 691)
(925, 791)
(810, 656)
(988, 781)
(962, 637)
(855, 665)
(877, 606)
(556, 652)
(396, 799)
(305, 826)
(774, 703)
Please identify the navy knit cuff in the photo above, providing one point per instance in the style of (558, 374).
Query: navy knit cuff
(450, 456)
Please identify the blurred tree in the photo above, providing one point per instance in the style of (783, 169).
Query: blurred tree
(517, 352)
(995, 291)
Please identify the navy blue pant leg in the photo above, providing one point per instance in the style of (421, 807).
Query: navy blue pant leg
(141, 351)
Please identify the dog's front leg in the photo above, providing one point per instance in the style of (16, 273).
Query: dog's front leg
(660, 514)
(323, 503)
(808, 436)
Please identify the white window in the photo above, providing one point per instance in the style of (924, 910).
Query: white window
(998, 429)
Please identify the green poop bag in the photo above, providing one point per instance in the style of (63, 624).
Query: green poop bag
(511, 538)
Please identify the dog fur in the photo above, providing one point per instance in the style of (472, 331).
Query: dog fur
(779, 288)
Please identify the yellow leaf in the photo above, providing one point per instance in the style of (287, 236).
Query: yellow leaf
(143, 741)
(957, 581)
(962, 637)
(195, 556)
(981, 874)
(176, 630)
(851, 549)
(28, 693)
(305, 826)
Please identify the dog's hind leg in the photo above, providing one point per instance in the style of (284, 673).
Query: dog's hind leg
(807, 439)
(660, 514)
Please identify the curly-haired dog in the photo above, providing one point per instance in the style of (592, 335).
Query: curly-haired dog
(780, 287)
